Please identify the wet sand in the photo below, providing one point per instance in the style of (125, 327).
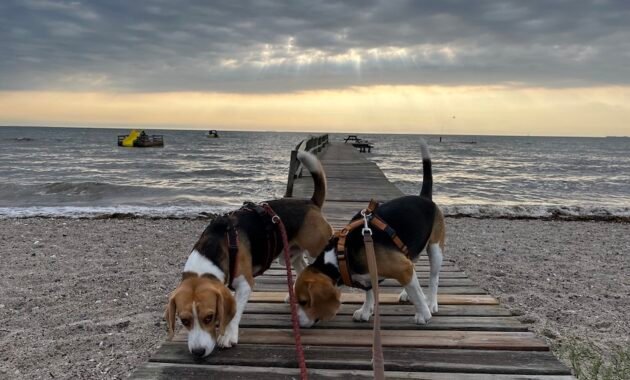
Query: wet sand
(84, 298)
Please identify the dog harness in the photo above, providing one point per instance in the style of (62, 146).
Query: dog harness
(271, 236)
(375, 222)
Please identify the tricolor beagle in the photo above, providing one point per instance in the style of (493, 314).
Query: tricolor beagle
(417, 221)
(234, 249)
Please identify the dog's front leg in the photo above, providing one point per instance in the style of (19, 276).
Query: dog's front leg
(435, 260)
(416, 296)
(298, 261)
(242, 292)
(364, 313)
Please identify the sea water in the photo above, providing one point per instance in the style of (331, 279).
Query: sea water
(81, 172)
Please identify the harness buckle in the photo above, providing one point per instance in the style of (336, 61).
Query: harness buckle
(366, 222)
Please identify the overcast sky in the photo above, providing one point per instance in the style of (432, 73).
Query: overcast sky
(267, 47)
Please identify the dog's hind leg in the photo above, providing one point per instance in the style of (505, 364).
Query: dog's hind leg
(435, 260)
(364, 313)
(416, 296)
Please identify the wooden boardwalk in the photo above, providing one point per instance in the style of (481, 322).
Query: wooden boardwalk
(472, 337)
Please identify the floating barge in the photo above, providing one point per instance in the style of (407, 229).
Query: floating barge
(139, 139)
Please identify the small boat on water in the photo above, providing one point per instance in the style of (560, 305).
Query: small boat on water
(139, 139)
(213, 134)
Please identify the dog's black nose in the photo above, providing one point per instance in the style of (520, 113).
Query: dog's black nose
(198, 352)
(316, 321)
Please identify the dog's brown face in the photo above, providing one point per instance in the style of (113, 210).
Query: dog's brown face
(317, 296)
(205, 307)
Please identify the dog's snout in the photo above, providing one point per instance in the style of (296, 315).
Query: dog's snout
(198, 352)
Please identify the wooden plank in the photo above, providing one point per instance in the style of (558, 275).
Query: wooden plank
(422, 262)
(359, 358)
(480, 340)
(421, 273)
(387, 283)
(400, 309)
(163, 371)
(390, 322)
(443, 299)
(442, 290)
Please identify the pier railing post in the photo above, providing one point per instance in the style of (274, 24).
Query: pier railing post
(293, 164)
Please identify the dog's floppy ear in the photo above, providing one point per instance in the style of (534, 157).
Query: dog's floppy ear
(311, 293)
(169, 314)
(328, 299)
(226, 308)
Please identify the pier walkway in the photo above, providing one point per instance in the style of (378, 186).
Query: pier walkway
(472, 337)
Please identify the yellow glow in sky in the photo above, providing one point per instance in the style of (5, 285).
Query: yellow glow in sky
(500, 110)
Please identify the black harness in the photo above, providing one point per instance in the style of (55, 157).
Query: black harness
(272, 237)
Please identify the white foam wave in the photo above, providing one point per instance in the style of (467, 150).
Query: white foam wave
(186, 212)
(537, 211)
(111, 211)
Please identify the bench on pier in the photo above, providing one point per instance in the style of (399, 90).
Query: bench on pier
(363, 145)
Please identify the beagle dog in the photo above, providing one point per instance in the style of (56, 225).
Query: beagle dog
(417, 221)
(235, 248)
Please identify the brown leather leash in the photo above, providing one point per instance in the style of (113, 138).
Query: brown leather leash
(299, 350)
(378, 362)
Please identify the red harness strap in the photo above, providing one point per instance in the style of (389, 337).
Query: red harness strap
(375, 222)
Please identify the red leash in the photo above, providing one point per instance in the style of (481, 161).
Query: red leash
(299, 350)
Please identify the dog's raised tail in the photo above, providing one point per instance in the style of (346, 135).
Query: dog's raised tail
(427, 174)
(319, 177)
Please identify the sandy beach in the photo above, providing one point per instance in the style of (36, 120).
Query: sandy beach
(84, 298)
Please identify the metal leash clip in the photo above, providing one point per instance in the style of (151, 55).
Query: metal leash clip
(366, 222)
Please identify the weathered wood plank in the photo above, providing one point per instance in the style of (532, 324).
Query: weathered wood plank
(443, 290)
(482, 340)
(400, 310)
(359, 358)
(421, 273)
(390, 322)
(443, 299)
(387, 283)
(164, 371)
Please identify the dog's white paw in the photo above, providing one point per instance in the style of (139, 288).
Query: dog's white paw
(287, 298)
(419, 319)
(230, 338)
(361, 315)
(424, 316)
(403, 297)
(433, 305)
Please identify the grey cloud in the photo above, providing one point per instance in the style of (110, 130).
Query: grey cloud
(269, 46)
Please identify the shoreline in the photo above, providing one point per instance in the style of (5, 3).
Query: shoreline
(209, 216)
(84, 298)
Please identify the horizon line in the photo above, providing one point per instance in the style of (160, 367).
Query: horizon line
(300, 131)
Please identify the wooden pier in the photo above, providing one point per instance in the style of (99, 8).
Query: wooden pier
(472, 337)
